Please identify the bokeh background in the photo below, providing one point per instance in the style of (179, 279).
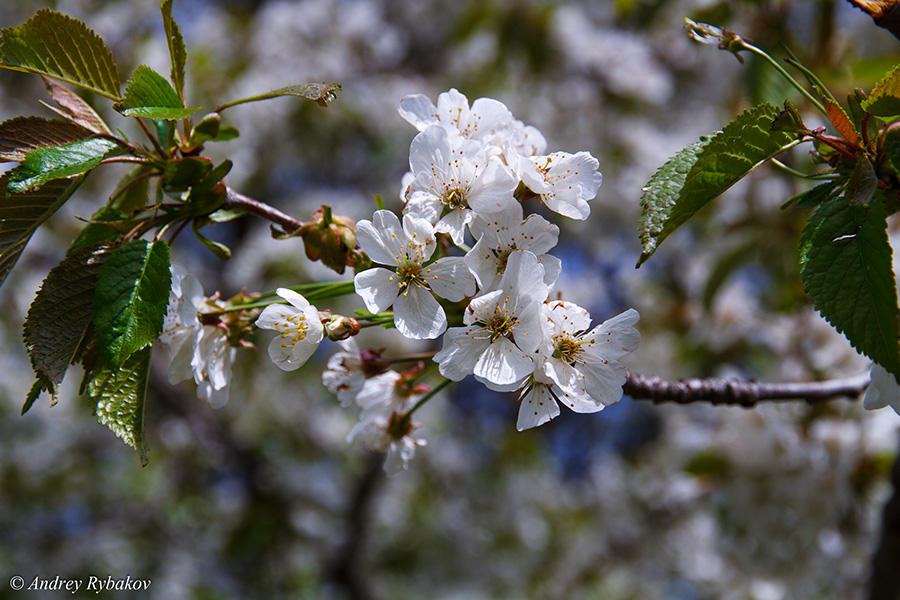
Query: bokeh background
(265, 499)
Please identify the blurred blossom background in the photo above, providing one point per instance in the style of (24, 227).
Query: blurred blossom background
(265, 499)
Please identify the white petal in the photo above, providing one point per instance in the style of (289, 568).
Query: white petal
(552, 269)
(293, 298)
(377, 287)
(420, 240)
(541, 234)
(418, 110)
(215, 398)
(382, 238)
(482, 307)
(882, 391)
(524, 278)
(461, 349)
(493, 189)
(450, 278)
(429, 151)
(615, 337)
(280, 352)
(484, 264)
(503, 363)
(418, 315)
(536, 408)
(566, 317)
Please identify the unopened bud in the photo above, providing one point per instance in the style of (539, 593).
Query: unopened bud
(329, 238)
(340, 327)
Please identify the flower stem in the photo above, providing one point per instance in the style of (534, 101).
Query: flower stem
(786, 75)
(427, 397)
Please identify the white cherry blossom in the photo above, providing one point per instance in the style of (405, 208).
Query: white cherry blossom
(584, 363)
(503, 328)
(299, 327)
(882, 391)
(384, 425)
(343, 375)
(202, 352)
(450, 182)
(500, 234)
(452, 113)
(565, 182)
(407, 283)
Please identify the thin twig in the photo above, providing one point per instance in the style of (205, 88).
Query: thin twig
(740, 393)
(236, 200)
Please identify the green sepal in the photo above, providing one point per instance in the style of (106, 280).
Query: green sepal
(61, 312)
(706, 169)
(59, 162)
(223, 215)
(131, 299)
(118, 396)
(63, 48)
(148, 94)
(22, 214)
(846, 265)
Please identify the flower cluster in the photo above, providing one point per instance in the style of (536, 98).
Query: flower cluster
(470, 168)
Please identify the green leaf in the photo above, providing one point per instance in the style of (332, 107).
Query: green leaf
(847, 272)
(21, 135)
(132, 193)
(704, 170)
(320, 93)
(892, 150)
(22, 214)
(131, 299)
(862, 182)
(177, 49)
(182, 173)
(74, 109)
(57, 162)
(220, 250)
(661, 194)
(118, 395)
(148, 94)
(815, 196)
(884, 101)
(107, 225)
(34, 393)
(60, 314)
(63, 48)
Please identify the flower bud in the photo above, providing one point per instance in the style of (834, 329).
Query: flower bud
(329, 238)
(339, 327)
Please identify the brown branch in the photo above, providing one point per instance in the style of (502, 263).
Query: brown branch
(236, 200)
(740, 393)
